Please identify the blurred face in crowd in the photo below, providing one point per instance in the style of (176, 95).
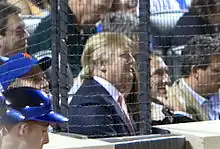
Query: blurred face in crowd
(208, 80)
(125, 5)
(119, 70)
(15, 39)
(26, 135)
(89, 11)
(34, 78)
(159, 79)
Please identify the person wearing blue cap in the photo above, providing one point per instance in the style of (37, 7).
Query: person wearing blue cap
(24, 70)
(32, 132)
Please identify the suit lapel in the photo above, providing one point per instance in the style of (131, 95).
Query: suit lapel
(118, 111)
(109, 99)
(192, 106)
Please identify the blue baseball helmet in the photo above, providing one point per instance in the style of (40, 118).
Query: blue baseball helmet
(7, 114)
(34, 104)
(18, 65)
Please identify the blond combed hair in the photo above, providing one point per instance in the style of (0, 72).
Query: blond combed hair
(100, 47)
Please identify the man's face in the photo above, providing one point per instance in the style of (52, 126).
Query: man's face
(30, 134)
(15, 38)
(34, 78)
(209, 78)
(120, 70)
(124, 5)
(90, 11)
(159, 77)
(38, 134)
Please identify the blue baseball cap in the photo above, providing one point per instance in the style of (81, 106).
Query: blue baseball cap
(18, 65)
(8, 115)
(34, 104)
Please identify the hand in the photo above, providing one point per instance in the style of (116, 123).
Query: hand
(174, 101)
(171, 100)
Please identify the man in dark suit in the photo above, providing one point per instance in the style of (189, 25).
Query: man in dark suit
(98, 108)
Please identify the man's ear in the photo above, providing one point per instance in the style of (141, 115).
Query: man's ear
(23, 129)
(194, 72)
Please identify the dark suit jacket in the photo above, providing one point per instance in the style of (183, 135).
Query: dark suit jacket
(93, 112)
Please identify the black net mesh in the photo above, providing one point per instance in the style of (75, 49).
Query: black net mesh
(162, 57)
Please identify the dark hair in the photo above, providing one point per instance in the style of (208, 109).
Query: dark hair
(198, 52)
(205, 7)
(5, 11)
(121, 22)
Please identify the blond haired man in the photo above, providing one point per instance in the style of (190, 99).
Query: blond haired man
(98, 108)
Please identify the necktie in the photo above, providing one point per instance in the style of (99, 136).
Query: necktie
(121, 102)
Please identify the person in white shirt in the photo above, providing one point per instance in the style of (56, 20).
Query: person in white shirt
(200, 71)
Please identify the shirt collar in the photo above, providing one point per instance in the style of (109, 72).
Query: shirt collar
(109, 87)
(198, 97)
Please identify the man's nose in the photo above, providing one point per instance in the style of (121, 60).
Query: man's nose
(166, 79)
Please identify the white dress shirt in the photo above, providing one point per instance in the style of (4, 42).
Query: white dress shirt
(210, 104)
(108, 87)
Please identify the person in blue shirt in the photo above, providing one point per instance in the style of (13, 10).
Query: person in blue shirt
(200, 81)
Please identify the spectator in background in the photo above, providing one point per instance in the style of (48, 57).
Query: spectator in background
(120, 22)
(201, 67)
(29, 7)
(202, 19)
(159, 81)
(125, 5)
(32, 132)
(78, 14)
(23, 70)
(45, 4)
(98, 108)
(13, 36)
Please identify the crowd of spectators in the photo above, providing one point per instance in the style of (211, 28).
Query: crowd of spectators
(102, 50)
